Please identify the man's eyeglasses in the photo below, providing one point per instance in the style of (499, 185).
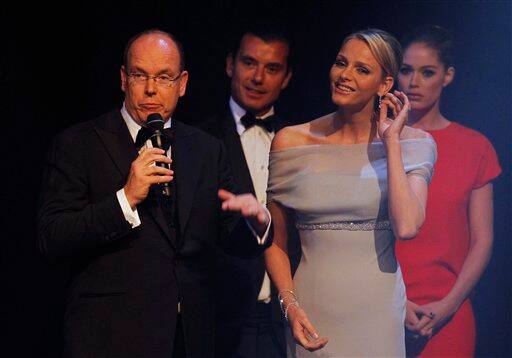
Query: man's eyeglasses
(160, 80)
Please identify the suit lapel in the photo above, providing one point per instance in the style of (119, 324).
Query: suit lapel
(117, 140)
(236, 155)
(187, 168)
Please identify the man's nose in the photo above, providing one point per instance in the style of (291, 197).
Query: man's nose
(150, 86)
(258, 75)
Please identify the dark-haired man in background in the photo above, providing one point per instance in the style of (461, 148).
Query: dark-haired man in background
(143, 263)
(248, 320)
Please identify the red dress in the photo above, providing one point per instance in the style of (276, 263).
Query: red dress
(431, 262)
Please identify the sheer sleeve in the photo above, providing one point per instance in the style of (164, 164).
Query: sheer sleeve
(419, 157)
(278, 177)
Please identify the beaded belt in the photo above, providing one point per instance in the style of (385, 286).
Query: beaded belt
(364, 225)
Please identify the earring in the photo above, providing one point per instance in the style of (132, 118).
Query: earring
(380, 101)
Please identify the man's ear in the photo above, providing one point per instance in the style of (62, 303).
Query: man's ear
(287, 79)
(229, 64)
(183, 83)
(386, 86)
(448, 76)
(124, 79)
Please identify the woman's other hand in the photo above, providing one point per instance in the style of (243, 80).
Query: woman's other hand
(415, 317)
(439, 312)
(303, 331)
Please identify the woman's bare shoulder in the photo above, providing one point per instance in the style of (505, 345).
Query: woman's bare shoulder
(301, 134)
(291, 136)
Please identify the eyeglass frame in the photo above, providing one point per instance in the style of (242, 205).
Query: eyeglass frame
(154, 77)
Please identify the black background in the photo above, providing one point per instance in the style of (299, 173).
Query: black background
(60, 65)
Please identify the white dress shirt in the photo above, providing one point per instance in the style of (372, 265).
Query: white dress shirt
(256, 143)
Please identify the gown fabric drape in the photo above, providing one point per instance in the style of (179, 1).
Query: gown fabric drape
(348, 280)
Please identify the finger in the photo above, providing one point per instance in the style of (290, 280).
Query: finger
(226, 205)
(410, 326)
(391, 106)
(414, 320)
(243, 203)
(148, 151)
(401, 118)
(232, 205)
(156, 170)
(142, 151)
(413, 316)
(232, 201)
(152, 158)
(425, 333)
(429, 327)
(298, 334)
(317, 344)
(406, 103)
(160, 179)
(422, 323)
(262, 217)
(396, 94)
(395, 111)
(310, 330)
(411, 319)
(396, 100)
(224, 194)
(396, 103)
(248, 211)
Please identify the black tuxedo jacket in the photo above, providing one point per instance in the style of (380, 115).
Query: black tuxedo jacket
(239, 280)
(122, 301)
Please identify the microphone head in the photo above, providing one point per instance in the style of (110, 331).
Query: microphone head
(155, 121)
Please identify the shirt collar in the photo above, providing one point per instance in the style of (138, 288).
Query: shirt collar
(238, 112)
(133, 126)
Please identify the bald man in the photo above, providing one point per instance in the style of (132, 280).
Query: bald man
(143, 261)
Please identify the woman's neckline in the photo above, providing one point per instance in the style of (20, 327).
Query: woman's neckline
(344, 146)
(437, 129)
(440, 129)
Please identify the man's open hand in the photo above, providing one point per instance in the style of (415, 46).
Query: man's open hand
(247, 205)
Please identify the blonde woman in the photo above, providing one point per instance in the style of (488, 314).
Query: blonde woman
(350, 182)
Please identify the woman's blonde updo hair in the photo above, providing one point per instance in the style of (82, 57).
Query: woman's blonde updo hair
(384, 47)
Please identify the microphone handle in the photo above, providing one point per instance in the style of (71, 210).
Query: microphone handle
(165, 188)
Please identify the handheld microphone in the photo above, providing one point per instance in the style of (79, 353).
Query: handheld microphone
(155, 122)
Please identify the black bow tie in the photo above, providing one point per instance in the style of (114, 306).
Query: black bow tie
(249, 120)
(144, 134)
